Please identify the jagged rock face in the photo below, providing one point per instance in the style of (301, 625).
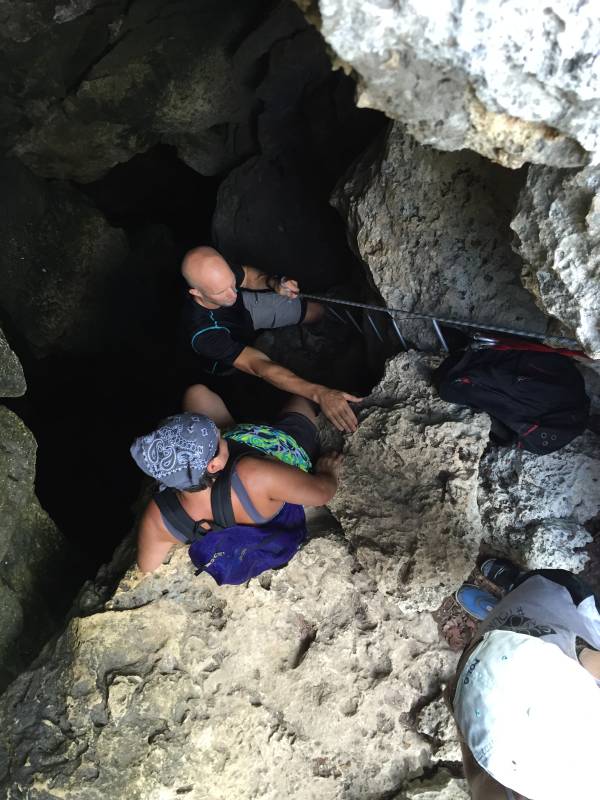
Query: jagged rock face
(512, 81)
(408, 494)
(32, 553)
(309, 682)
(536, 509)
(67, 277)
(558, 230)
(91, 84)
(12, 380)
(433, 228)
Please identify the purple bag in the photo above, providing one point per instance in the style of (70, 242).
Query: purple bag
(240, 552)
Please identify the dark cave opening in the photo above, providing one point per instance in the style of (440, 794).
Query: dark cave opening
(85, 408)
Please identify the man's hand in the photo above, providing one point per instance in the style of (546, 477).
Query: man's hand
(330, 464)
(334, 404)
(286, 287)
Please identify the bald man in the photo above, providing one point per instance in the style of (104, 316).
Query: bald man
(221, 321)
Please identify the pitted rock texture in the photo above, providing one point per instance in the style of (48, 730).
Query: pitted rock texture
(407, 498)
(558, 237)
(303, 684)
(92, 84)
(535, 509)
(12, 379)
(67, 277)
(433, 228)
(513, 81)
(33, 553)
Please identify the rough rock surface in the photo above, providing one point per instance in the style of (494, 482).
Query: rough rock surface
(513, 81)
(558, 230)
(306, 683)
(67, 278)
(32, 553)
(305, 142)
(92, 84)
(407, 498)
(12, 380)
(433, 228)
(535, 509)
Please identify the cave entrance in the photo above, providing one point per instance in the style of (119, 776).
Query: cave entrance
(85, 408)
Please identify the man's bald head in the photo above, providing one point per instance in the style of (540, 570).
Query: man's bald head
(210, 278)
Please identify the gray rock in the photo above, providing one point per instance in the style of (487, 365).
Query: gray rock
(146, 72)
(67, 277)
(33, 553)
(512, 81)
(558, 237)
(535, 508)
(179, 683)
(407, 498)
(12, 379)
(433, 228)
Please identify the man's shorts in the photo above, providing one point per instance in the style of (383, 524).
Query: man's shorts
(271, 310)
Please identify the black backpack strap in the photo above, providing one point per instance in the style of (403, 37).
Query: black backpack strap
(172, 510)
(220, 496)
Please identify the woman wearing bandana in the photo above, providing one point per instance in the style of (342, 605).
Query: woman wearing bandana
(187, 452)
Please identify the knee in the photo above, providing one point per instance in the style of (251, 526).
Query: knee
(314, 312)
(197, 398)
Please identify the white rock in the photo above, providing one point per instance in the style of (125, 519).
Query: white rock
(516, 81)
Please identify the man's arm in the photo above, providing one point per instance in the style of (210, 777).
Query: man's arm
(258, 281)
(333, 402)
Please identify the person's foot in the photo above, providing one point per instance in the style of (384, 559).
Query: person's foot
(501, 572)
(475, 601)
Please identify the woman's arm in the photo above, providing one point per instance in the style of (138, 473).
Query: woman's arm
(153, 542)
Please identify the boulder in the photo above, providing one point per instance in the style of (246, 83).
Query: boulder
(536, 509)
(95, 83)
(68, 279)
(33, 554)
(304, 683)
(12, 379)
(407, 498)
(433, 229)
(558, 237)
(512, 81)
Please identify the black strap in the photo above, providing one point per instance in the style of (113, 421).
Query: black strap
(220, 500)
(172, 510)
(220, 496)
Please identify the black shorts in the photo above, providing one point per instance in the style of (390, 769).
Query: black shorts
(303, 430)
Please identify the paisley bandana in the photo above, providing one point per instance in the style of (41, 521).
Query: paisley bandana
(178, 452)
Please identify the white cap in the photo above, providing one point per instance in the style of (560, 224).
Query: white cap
(530, 716)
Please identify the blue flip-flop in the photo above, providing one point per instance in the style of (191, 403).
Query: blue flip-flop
(475, 601)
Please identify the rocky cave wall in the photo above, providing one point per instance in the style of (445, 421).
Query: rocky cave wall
(323, 679)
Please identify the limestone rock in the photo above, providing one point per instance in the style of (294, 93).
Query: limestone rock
(515, 81)
(558, 230)
(433, 228)
(105, 81)
(535, 508)
(12, 380)
(301, 684)
(305, 143)
(407, 498)
(68, 278)
(32, 553)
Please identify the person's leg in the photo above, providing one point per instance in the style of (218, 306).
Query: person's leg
(314, 312)
(300, 405)
(297, 418)
(200, 399)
